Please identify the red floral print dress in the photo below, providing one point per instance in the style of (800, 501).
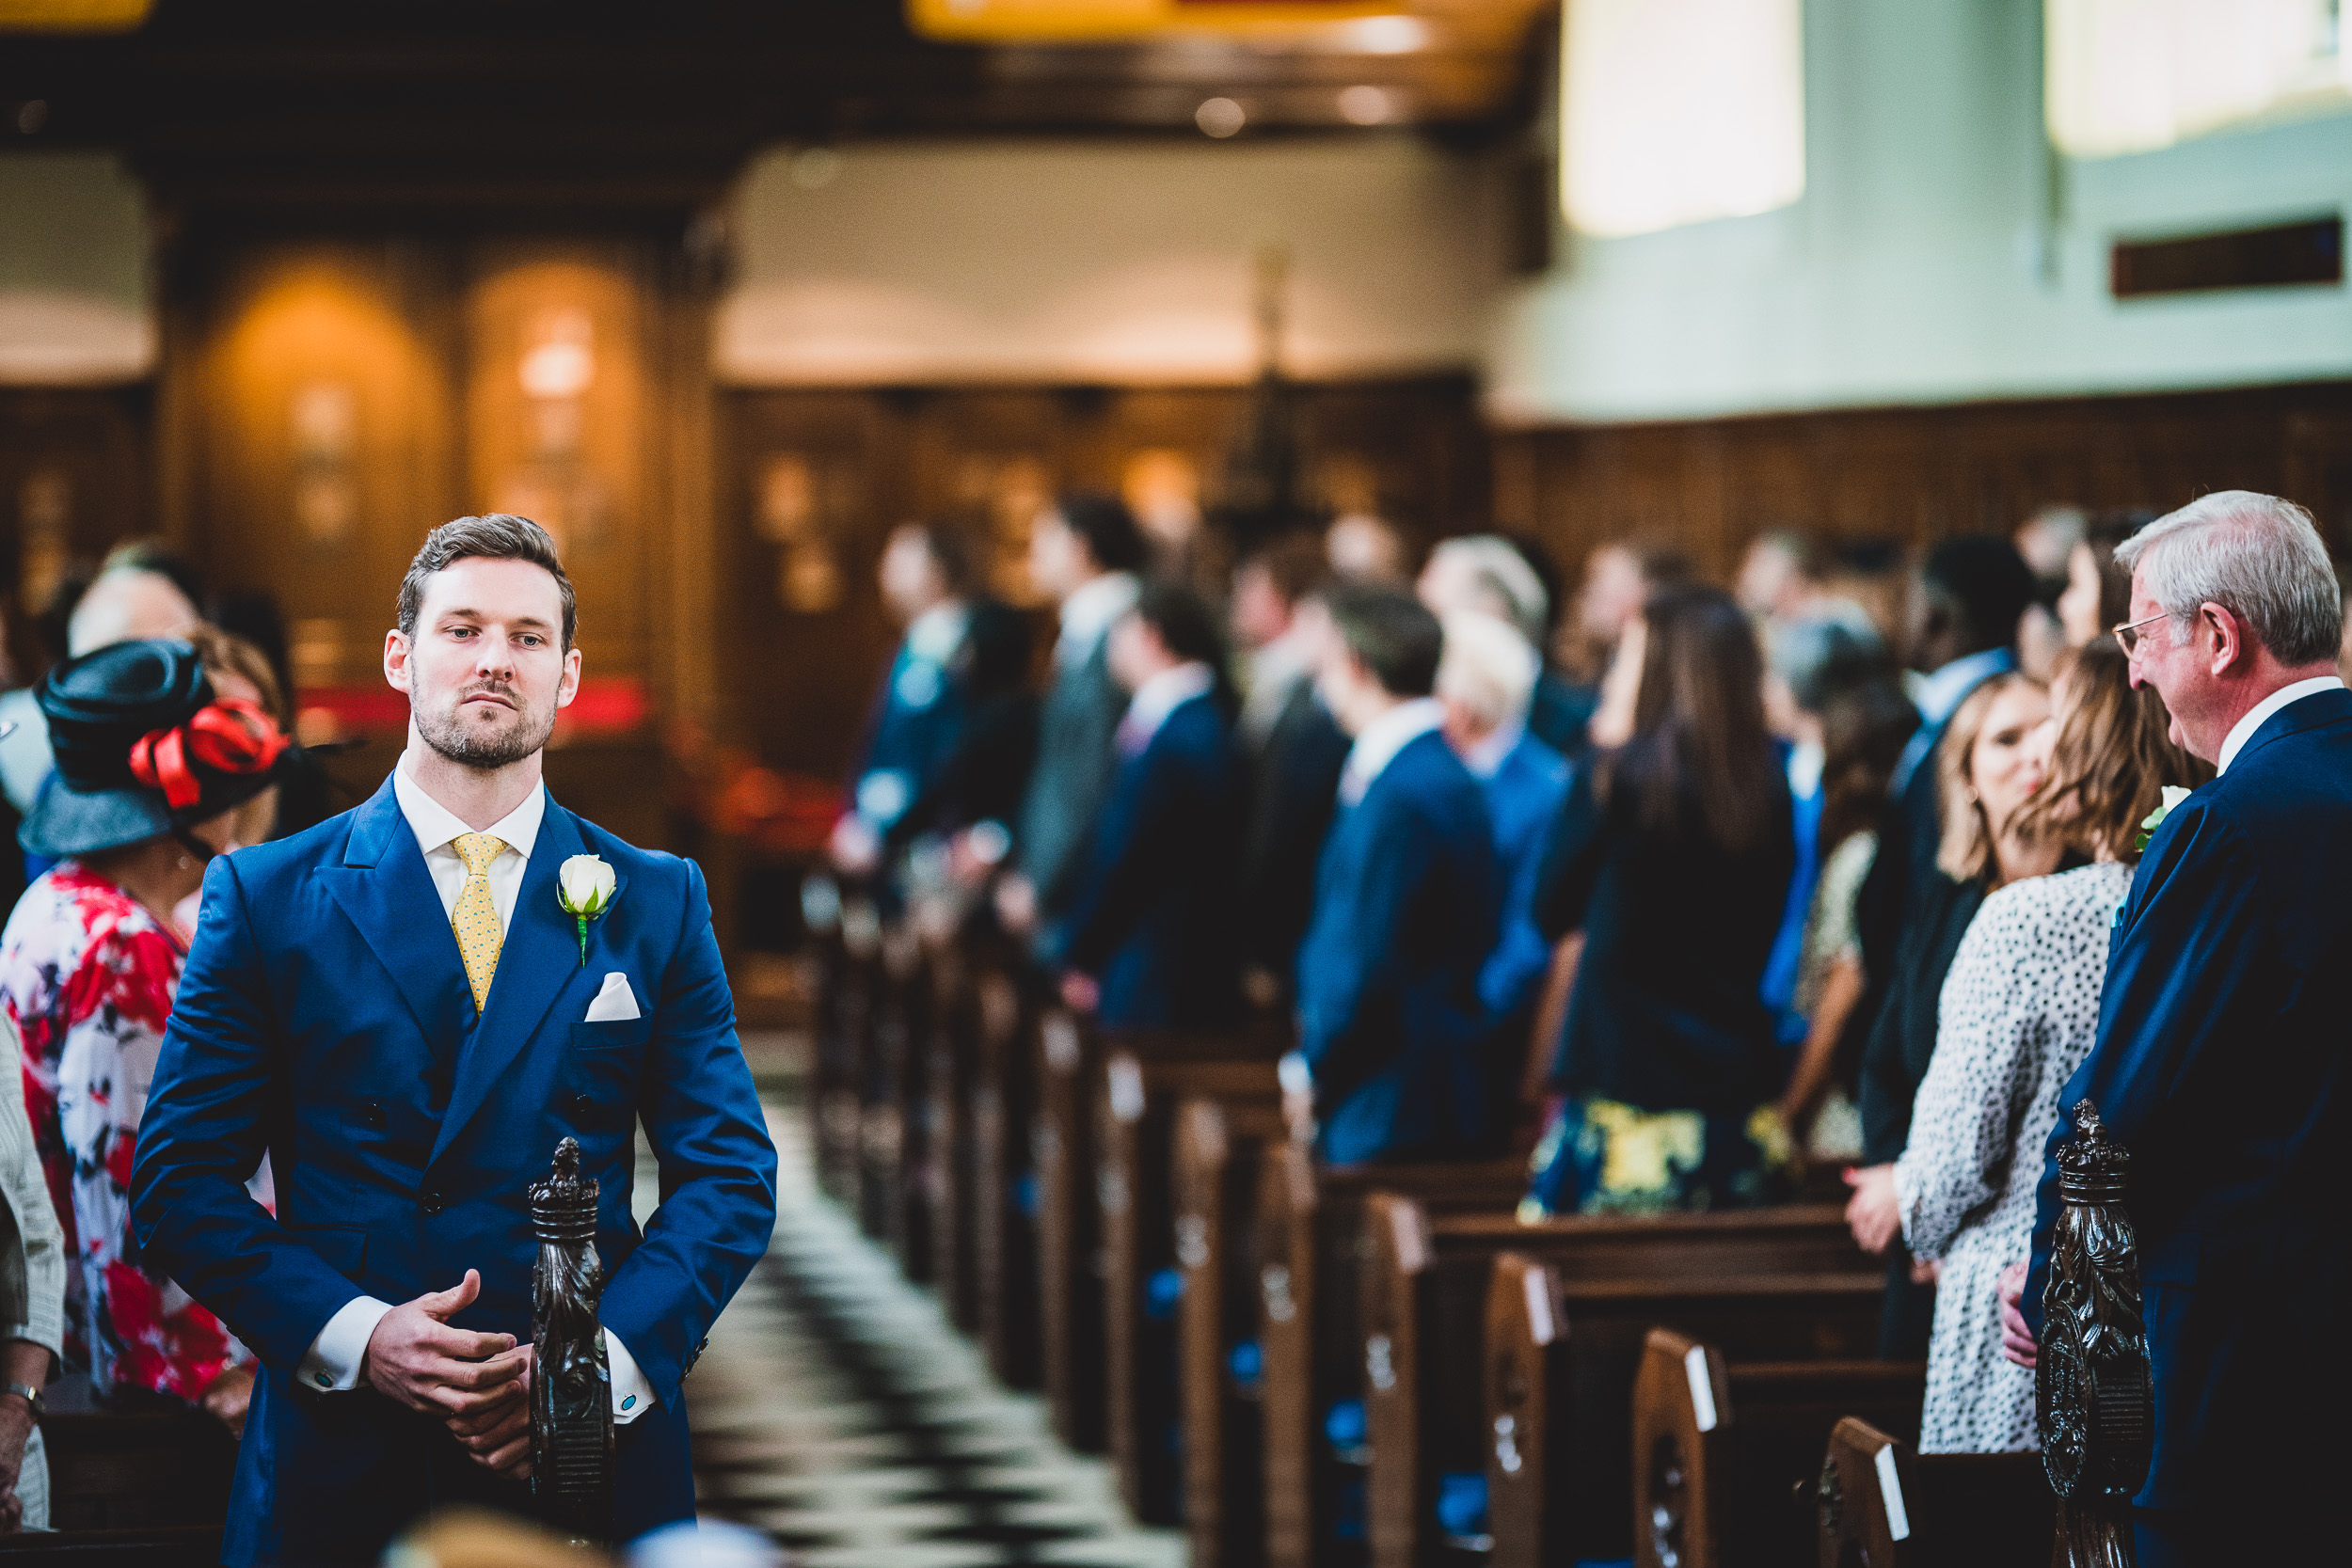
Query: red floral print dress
(88, 975)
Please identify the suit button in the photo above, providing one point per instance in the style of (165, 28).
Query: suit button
(582, 1103)
(433, 1201)
(371, 1115)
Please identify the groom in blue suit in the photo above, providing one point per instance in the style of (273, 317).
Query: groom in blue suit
(2222, 1061)
(396, 1006)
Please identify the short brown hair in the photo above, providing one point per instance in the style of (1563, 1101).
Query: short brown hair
(1966, 848)
(492, 536)
(1293, 564)
(2112, 758)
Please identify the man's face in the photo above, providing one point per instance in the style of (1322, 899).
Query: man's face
(2176, 670)
(1260, 613)
(910, 577)
(1058, 562)
(1613, 594)
(485, 670)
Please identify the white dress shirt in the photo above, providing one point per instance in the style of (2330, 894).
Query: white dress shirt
(1088, 614)
(2243, 731)
(335, 1358)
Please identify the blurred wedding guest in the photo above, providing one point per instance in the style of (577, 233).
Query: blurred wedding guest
(1863, 728)
(2098, 594)
(1673, 856)
(2046, 543)
(1149, 941)
(1487, 575)
(152, 768)
(25, 750)
(1807, 661)
(912, 727)
(1779, 578)
(1084, 553)
(32, 1300)
(1363, 549)
(979, 787)
(1618, 577)
(1487, 680)
(1393, 1059)
(1292, 750)
(241, 673)
(1988, 766)
(2018, 1016)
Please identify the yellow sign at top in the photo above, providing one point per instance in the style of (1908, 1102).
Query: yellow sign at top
(73, 16)
(1093, 20)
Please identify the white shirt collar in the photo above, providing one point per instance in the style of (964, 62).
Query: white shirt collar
(1274, 670)
(435, 825)
(1938, 696)
(1485, 759)
(1160, 696)
(1381, 741)
(2243, 731)
(1089, 610)
(936, 633)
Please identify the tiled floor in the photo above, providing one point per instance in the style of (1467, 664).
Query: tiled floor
(836, 1410)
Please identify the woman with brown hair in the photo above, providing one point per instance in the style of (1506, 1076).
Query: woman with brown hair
(2020, 1011)
(1672, 855)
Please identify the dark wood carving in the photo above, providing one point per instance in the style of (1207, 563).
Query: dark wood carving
(571, 1386)
(2092, 1393)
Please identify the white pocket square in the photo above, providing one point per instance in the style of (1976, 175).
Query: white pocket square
(616, 1003)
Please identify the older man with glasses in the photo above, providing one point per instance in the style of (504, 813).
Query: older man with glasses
(2222, 1055)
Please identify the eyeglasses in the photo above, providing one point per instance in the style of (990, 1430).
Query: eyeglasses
(2127, 633)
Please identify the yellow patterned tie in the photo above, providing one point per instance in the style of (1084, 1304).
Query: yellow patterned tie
(476, 918)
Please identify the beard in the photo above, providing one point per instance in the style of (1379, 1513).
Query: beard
(472, 743)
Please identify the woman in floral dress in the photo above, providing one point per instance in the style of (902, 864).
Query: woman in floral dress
(2018, 1014)
(155, 775)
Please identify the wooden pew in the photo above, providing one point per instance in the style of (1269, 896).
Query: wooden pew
(160, 1546)
(846, 939)
(1144, 1078)
(891, 1093)
(1771, 1284)
(1310, 1247)
(1001, 1107)
(1220, 1146)
(945, 1178)
(1068, 1057)
(1724, 1472)
(142, 1470)
(1881, 1505)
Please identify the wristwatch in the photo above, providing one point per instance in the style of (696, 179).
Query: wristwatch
(31, 1395)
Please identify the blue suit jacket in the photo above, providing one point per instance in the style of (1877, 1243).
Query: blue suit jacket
(909, 734)
(1408, 898)
(324, 1017)
(1523, 798)
(2222, 1064)
(1152, 920)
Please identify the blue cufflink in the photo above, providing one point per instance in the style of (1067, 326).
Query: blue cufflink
(630, 1403)
(325, 1380)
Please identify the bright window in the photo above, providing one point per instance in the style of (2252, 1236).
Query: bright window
(2130, 75)
(1678, 111)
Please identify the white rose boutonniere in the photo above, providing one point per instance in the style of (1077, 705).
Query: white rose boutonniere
(2173, 796)
(585, 886)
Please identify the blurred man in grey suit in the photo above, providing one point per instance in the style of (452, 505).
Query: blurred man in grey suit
(1084, 551)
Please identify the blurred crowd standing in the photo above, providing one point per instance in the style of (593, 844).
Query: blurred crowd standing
(1687, 894)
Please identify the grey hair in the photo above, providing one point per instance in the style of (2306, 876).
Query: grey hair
(1503, 575)
(1489, 668)
(2256, 556)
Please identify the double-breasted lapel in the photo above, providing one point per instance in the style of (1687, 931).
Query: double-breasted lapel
(538, 962)
(382, 885)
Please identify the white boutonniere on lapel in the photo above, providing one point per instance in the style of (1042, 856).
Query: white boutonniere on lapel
(585, 886)
(2173, 796)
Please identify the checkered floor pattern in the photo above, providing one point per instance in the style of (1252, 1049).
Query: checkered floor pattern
(837, 1411)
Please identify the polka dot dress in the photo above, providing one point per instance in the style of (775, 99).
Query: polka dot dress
(2019, 1013)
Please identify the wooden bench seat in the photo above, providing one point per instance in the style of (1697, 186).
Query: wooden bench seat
(1937, 1510)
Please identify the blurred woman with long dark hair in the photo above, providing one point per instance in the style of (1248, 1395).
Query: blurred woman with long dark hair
(1673, 856)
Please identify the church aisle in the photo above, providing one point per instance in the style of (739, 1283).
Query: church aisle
(837, 1411)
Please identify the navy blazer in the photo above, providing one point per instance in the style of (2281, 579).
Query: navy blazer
(1523, 797)
(1152, 918)
(2222, 1065)
(1407, 901)
(1293, 781)
(323, 1018)
(1075, 757)
(1666, 1014)
(908, 735)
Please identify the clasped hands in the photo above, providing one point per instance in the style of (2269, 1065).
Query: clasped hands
(478, 1384)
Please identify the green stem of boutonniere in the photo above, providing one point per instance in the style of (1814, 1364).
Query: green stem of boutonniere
(583, 940)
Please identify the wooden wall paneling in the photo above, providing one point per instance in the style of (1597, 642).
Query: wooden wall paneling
(1917, 474)
(75, 480)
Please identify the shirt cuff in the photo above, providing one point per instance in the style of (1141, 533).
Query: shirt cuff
(1294, 1075)
(335, 1359)
(633, 1395)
